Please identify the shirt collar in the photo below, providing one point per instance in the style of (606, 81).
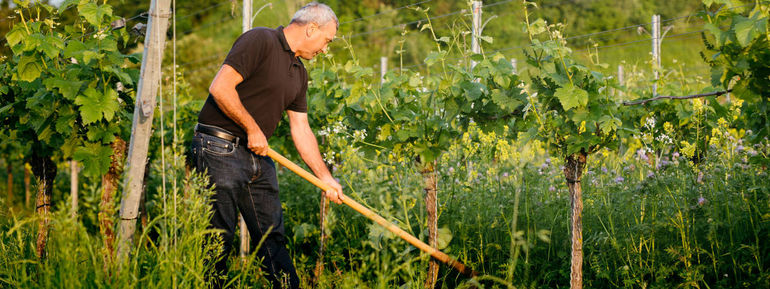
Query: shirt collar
(282, 39)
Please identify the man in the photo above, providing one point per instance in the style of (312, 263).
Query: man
(261, 77)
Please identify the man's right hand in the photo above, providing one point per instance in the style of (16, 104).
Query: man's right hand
(258, 143)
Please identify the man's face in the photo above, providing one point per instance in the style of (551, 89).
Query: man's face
(318, 39)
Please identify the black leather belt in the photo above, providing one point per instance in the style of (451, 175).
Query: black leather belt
(220, 133)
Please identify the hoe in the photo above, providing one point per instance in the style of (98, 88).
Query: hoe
(441, 256)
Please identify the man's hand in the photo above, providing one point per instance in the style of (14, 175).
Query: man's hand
(258, 143)
(335, 194)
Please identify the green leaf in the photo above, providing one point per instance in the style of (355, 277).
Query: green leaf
(444, 237)
(609, 124)
(537, 27)
(434, 57)
(744, 30)
(33, 42)
(473, 90)
(29, 69)
(68, 88)
(94, 104)
(105, 135)
(94, 13)
(88, 56)
(571, 96)
(66, 120)
(21, 3)
(74, 49)
(66, 5)
(15, 35)
(95, 158)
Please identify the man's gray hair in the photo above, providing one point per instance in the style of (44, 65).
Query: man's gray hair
(315, 12)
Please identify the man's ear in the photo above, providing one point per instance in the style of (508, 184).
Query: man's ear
(310, 28)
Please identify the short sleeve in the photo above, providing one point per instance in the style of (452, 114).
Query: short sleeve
(300, 102)
(246, 52)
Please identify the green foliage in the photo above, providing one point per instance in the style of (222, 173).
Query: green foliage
(740, 56)
(412, 114)
(174, 249)
(570, 106)
(63, 94)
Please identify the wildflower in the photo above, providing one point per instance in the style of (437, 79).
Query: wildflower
(451, 170)
(697, 104)
(700, 177)
(548, 161)
(650, 174)
(642, 154)
(688, 149)
(668, 128)
(739, 148)
(604, 169)
(675, 155)
(701, 201)
(650, 123)
(505, 174)
(619, 179)
(552, 188)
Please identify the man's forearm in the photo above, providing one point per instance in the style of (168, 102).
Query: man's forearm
(307, 146)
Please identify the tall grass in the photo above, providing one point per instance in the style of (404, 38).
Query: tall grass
(660, 223)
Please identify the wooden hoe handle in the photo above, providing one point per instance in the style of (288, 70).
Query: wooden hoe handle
(441, 256)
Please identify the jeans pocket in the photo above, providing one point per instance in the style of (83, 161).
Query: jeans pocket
(217, 146)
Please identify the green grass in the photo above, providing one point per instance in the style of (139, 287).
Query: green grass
(680, 225)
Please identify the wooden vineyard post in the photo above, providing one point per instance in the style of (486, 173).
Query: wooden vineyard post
(573, 172)
(27, 181)
(141, 129)
(9, 170)
(245, 26)
(74, 188)
(319, 265)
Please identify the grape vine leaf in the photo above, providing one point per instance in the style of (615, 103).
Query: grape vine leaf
(571, 96)
(94, 104)
(94, 13)
(28, 69)
(95, 158)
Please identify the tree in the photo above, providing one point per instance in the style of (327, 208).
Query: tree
(63, 94)
(572, 110)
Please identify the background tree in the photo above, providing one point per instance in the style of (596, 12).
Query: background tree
(63, 95)
(572, 110)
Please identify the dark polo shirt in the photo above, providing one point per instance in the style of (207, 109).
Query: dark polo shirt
(274, 80)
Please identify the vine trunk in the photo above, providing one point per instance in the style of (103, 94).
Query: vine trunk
(573, 172)
(429, 182)
(44, 170)
(110, 182)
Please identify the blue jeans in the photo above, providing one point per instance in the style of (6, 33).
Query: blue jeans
(245, 182)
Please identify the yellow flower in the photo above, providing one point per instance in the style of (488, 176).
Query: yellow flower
(668, 128)
(722, 122)
(697, 104)
(688, 149)
(582, 127)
